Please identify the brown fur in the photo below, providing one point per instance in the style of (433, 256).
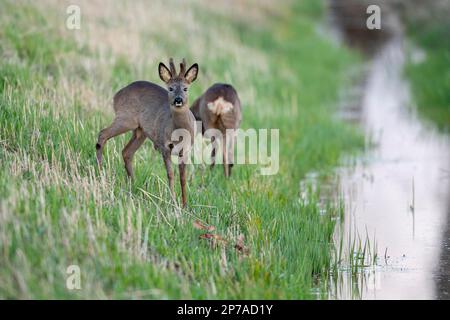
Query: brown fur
(220, 108)
(150, 112)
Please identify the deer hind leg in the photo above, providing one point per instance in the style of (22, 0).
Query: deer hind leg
(116, 128)
(225, 156)
(215, 136)
(231, 154)
(130, 149)
(213, 152)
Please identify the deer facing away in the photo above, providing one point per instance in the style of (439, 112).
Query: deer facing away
(153, 112)
(220, 108)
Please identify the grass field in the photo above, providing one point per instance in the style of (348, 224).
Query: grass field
(430, 77)
(129, 240)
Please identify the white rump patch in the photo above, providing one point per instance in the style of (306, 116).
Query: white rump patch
(220, 106)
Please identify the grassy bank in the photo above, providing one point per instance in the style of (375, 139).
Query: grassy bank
(129, 240)
(430, 76)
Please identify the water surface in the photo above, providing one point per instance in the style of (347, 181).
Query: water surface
(397, 194)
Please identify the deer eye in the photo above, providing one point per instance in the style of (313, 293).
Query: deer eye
(184, 89)
(170, 89)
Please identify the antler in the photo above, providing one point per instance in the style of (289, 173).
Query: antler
(172, 67)
(182, 67)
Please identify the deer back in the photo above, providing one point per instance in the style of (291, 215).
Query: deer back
(147, 104)
(219, 107)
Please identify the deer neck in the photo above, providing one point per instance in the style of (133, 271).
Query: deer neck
(181, 118)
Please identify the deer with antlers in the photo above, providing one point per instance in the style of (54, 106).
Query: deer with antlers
(153, 112)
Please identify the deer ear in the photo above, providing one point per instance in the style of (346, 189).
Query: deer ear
(191, 74)
(164, 72)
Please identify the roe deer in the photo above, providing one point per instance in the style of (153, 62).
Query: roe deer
(153, 112)
(220, 108)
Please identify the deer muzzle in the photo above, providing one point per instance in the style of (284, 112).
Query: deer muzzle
(178, 102)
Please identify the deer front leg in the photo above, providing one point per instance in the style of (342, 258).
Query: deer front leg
(182, 168)
(168, 164)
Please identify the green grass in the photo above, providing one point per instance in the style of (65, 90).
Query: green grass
(430, 78)
(129, 239)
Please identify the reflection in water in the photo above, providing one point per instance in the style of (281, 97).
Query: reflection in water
(398, 194)
(442, 276)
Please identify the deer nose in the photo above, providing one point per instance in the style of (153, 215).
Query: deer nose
(178, 101)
